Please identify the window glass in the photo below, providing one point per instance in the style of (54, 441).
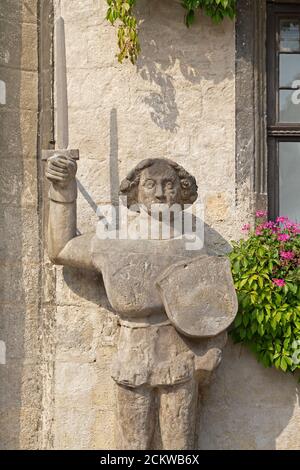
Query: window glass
(289, 179)
(289, 70)
(289, 106)
(289, 35)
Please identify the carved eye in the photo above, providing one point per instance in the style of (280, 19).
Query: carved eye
(185, 184)
(149, 184)
(169, 185)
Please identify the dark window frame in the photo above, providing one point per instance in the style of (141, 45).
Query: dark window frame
(276, 131)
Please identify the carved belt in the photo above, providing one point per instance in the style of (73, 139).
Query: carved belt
(145, 322)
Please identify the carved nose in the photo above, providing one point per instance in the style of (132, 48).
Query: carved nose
(159, 193)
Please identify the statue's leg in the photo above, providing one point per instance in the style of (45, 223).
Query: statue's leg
(135, 418)
(178, 415)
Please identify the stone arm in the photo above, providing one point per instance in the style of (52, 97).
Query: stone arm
(64, 246)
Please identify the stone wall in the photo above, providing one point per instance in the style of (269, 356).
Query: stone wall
(20, 377)
(178, 102)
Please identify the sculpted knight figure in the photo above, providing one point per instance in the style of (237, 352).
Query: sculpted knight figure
(173, 304)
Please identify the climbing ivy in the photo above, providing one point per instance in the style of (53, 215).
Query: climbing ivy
(121, 12)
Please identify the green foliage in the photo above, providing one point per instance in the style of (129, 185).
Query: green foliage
(216, 9)
(266, 272)
(121, 11)
(128, 41)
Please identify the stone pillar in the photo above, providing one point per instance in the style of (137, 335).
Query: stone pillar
(20, 378)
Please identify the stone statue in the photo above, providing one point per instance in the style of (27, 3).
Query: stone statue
(173, 304)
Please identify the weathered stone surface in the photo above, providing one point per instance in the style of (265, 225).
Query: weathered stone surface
(198, 309)
(156, 371)
(119, 115)
(88, 428)
(179, 101)
(21, 89)
(19, 283)
(16, 126)
(20, 294)
(19, 428)
(19, 326)
(18, 239)
(18, 184)
(79, 288)
(81, 334)
(20, 382)
(16, 11)
(245, 396)
(11, 36)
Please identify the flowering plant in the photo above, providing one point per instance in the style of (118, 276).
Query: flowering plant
(266, 272)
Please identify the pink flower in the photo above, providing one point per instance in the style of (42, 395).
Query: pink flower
(281, 220)
(267, 225)
(261, 214)
(287, 255)
(283, 237)
(258, 232)
(246, 228)
(289, 225)
(279, 282)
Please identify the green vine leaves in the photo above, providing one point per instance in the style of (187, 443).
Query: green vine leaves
(121, 12)
(216, 9)
(266, 273)
(128, 41)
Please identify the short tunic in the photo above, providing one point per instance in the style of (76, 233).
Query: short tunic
(155, 354)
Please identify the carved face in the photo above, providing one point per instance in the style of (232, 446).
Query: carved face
(159, 184)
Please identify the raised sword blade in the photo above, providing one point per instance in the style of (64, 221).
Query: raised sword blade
(62, 121)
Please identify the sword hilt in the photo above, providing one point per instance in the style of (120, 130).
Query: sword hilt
(68, 153)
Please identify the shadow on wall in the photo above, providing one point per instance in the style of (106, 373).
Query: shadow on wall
(12, 293)
(215, 242)
(175, 52)
(249, 407)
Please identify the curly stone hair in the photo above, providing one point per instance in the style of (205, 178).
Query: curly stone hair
(129, 185)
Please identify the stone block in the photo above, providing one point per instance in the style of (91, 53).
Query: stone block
(81, 331)
(73, 427)
(79, 288)
(89, 12)
(19, 237)
(103, 430)
(21, 384)
(264, 425)
(20, 330)
(21, 89)
(18, 185)
(19, 428)
(19, 284)
(74, 383)
(16, 11)
(18, 45)
(18, 133)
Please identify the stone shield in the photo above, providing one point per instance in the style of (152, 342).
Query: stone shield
(199, 296)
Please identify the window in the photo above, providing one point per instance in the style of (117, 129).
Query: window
(283, 70)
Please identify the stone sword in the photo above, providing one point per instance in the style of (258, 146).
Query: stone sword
(62, 121)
